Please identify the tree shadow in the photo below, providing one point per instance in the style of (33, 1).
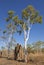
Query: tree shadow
(10, 58)
(3, 57)
(21, 60)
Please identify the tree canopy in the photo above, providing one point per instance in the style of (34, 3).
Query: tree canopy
(28, 14)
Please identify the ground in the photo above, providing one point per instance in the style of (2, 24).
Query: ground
(34, 60)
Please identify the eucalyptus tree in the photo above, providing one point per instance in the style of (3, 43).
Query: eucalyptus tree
(9, 45)
(29, 17)
(10, 30)
(3, 48)
(4, 38)
(38, 46)
(29, 48)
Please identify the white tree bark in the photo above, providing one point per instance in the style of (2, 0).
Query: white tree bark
(26, 37)
(9, 42)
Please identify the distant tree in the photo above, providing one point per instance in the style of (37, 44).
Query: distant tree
(10, 45)
(37, 46)
(29, 48)
(42, 50)
(2, 47)
(6, 37)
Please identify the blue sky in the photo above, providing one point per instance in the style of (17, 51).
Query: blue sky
(37, 31)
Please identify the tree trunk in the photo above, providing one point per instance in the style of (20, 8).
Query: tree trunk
(9, 42)
(8, 51)
(26, 37)
(25, 51)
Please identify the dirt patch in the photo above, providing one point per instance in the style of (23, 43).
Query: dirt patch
(33, 60)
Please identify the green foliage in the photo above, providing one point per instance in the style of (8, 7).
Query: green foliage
(30, 8)
(10, 12)
(25, 26)
(28, 12)
(31, 13)
(4, 31)
(39, 19)
(15, 19)
(9, 25)
(10, 15)
(20, 31)
(43, 50)
(2, 48)
(25, 14)
(29, 50)
(35, 47)
(7, 19)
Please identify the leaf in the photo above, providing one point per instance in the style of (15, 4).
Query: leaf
(20, 31)
(36, 13)
(4, 31)
(10, 12)
(25, 14)
(7, 19)
(10, 17)
(15, 18)
(30, 9)
(9, 25)
(39, 19)
(30, 12)
(25, 26)
(32, 16)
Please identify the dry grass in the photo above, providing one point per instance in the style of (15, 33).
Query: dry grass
(33, 59)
